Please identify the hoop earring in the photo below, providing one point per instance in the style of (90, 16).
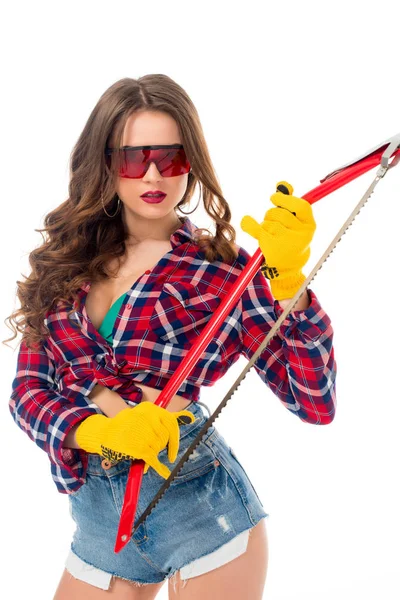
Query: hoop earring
(192, 211)
(195, 208)
(118, 206)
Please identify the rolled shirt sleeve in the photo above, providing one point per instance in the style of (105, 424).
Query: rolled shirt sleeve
(46, 416)
(298, 363)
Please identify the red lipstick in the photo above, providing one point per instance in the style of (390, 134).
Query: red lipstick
(153, 196)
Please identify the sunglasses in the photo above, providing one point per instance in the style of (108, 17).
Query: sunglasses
(135, 160)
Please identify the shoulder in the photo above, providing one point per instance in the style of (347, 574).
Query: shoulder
(243, 256)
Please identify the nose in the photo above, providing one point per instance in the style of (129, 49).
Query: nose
(152, 172)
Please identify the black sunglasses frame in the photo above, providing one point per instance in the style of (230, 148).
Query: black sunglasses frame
(157, 147)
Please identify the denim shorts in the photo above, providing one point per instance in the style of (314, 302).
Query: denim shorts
(202, 521)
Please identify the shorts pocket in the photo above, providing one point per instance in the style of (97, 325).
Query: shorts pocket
(230, 461)
(77, 498)
(182, 310)
(78, 491)
(244, 474)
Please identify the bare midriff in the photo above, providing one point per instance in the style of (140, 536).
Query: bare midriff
(103, 294)
(151, 394)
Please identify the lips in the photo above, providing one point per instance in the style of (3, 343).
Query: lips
(153, 192)
(153, 199)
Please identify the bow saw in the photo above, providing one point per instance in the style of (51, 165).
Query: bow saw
(378, 155)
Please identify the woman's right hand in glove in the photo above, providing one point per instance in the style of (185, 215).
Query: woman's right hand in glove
(140, 432)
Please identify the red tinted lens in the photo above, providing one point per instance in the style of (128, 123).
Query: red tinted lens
(169, 162)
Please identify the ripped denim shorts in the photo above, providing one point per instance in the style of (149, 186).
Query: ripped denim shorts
(202, 521)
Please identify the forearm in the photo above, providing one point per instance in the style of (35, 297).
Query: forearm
(302, 304)
(110, 403)
(70, 441)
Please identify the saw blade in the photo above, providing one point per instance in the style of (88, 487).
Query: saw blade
(380, 174)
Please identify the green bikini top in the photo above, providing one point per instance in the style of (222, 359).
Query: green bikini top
(107, 325)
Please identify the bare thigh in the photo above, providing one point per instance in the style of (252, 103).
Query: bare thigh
(243, 577)
(120, 589)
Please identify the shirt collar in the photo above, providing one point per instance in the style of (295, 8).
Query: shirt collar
(184, 234)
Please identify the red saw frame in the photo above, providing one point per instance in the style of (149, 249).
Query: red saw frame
(329, 184)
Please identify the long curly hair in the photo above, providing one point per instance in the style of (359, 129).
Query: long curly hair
(79, 237)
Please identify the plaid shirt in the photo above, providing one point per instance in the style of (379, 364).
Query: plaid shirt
(160, 318)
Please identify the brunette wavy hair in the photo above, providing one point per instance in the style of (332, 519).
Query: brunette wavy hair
(80, 238)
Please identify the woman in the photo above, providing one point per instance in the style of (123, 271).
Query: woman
(124, 286)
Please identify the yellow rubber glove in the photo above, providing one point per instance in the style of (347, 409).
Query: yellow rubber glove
(138, 432)
(284, 238)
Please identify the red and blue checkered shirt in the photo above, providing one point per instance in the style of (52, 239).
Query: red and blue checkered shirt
(159, 319)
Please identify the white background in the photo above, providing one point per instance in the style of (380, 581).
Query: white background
(287, 91)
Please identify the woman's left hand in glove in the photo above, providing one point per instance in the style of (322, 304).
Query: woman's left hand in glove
(284, 238)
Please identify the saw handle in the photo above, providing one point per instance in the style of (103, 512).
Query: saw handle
(282, 188)
(285, 190)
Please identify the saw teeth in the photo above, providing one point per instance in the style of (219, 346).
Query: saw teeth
(260, 349)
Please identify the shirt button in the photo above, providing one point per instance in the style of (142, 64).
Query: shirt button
(148, 271)
(129, 306)
(187, 301)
